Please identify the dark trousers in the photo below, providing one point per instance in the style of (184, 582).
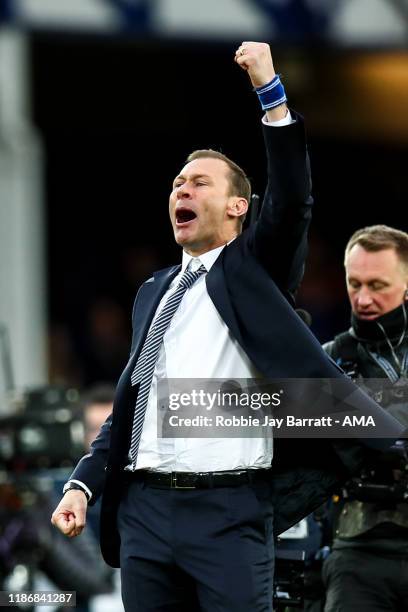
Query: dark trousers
(198, 549)
(361, 581)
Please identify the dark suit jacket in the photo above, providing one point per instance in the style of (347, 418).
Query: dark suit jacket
(251, 284)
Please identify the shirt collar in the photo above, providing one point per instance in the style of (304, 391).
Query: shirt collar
(207, 259)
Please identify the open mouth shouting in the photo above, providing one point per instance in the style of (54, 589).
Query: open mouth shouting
(184, 216)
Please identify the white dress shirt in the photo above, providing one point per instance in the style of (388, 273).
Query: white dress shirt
(198, 344)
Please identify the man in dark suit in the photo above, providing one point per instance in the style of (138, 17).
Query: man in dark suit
(197, 517)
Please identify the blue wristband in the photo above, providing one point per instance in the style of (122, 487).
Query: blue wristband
(272, 94)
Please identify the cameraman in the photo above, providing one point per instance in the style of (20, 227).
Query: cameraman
(367, 569)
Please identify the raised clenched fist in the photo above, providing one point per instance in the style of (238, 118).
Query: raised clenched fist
(256, 59)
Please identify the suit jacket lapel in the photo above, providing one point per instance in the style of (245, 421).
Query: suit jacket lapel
(218, 292)
(147, 302)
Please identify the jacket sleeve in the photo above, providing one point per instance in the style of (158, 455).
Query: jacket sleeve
(91, 468)
(280, 236)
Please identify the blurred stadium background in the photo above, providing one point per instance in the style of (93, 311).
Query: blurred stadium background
(100, 103)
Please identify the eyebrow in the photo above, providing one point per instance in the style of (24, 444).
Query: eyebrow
(375, 279)
(193, 176)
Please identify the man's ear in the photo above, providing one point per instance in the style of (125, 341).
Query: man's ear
(238, 207)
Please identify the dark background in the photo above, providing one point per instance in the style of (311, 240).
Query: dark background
(118, 117)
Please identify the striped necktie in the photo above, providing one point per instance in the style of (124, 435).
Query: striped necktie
(146, 363)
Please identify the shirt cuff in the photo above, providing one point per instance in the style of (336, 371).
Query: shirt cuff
(82, 485)
(288, 120)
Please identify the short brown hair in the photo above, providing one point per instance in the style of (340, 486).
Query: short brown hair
(240, 184)
(380, 237)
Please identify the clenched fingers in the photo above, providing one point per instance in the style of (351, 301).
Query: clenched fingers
(70, 515)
